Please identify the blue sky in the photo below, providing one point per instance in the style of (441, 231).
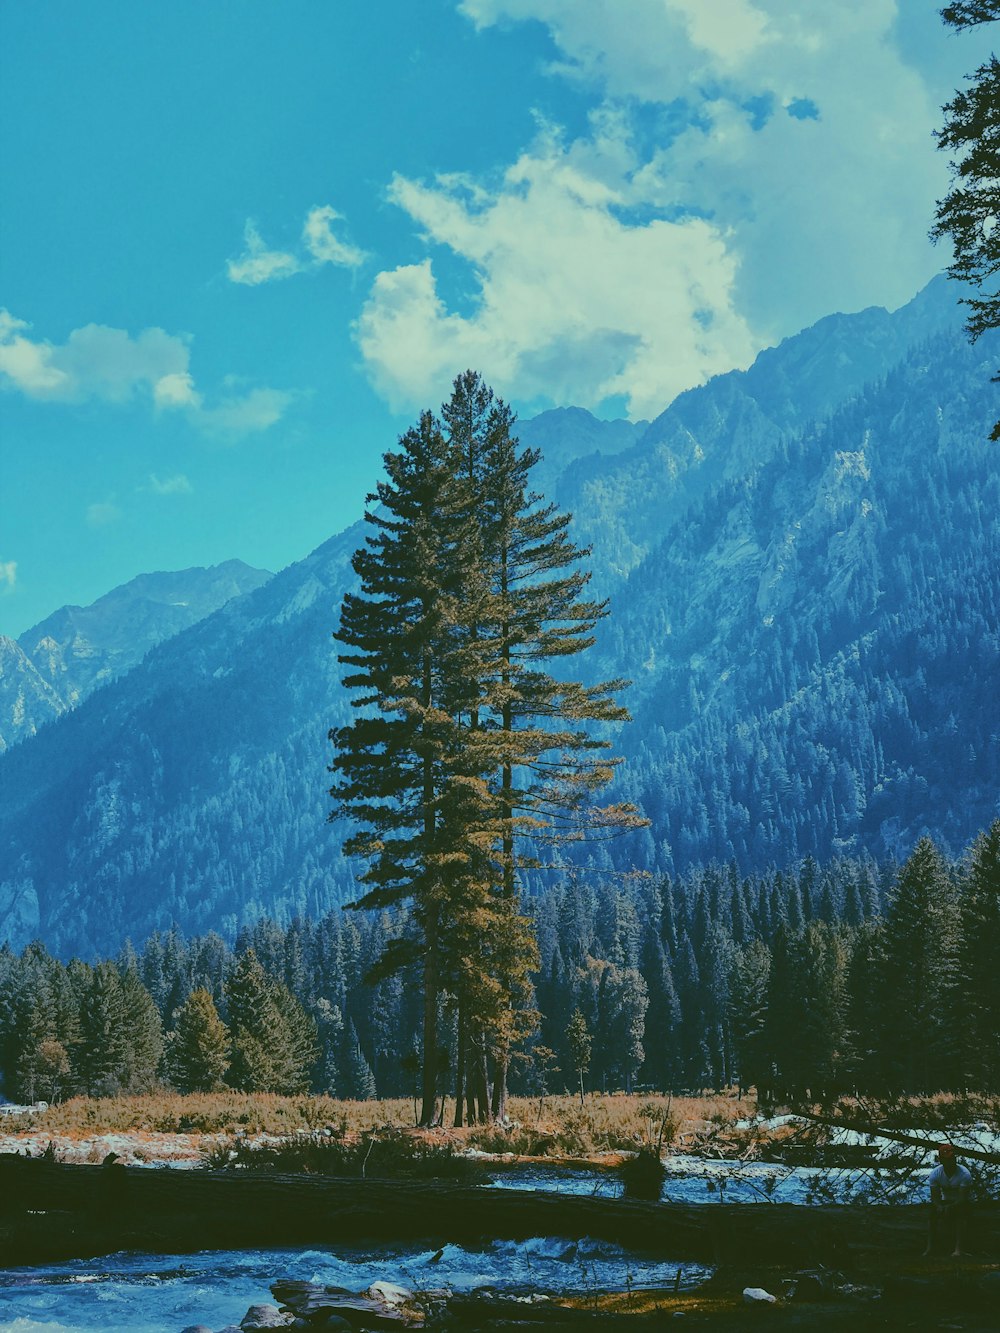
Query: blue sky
(243, 243)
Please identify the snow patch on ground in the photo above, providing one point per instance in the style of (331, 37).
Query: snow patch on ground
(140, 1149)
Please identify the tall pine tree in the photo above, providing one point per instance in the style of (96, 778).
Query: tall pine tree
(469, 590)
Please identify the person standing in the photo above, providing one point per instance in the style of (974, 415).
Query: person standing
(951, 1187)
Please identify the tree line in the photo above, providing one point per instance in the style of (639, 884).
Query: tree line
(808, 982)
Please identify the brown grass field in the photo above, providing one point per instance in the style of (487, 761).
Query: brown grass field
(555, 1126)
(167, 1125)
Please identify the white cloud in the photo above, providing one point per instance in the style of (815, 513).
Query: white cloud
(247, 413)
(27, 365)
(822, 213)
(108, 363)
(101, 514)
(579, 299)
(8, 575)
(325, 248)
(98, 362)
(178, 484)
(751, 165)
(639, 48)
(176, 390)
(257, 263)
(95, 362)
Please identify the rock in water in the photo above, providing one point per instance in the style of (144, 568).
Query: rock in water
(265, 1316)
(389, 1293)
(643, 1175)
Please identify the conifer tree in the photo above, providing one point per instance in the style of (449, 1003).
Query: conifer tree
(255, 1028)
(36, 1032)
(402, 776)
(625, 1000)
(143, 1035)
(468, 590)
(967, 213)
(663, 1018)
(580, 1045)
(921, 932)
(198, 1054)
(751, 967)
(104, 1032)
(359, 1081)
(784, 1057)
(977, 1011)
(528, 609)
(824, 1018)
(297, 1050)
(330, 1034)
(864, 1019)
(531, 611)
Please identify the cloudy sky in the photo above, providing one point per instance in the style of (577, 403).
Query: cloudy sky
(243, 243)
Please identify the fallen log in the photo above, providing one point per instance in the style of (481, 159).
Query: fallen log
(51, 1210)
(898, 1136)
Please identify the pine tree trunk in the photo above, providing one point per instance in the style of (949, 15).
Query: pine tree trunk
(460, 1066)
(500, 1086)
(471, 1108)
(428, 1109)
(501, 1056)
(482, 1080)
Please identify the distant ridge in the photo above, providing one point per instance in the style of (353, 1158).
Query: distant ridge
(57, 663)
(804, 564)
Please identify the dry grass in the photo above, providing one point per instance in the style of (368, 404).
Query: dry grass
(548, 1127)
(941, 1110)
(212, 1113)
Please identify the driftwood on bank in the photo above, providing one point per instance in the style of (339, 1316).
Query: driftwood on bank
(50, 1211)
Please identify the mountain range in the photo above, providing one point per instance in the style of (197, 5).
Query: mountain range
(803, 561)
(57, 663)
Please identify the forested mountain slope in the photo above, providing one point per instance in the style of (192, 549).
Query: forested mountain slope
(806, 591)
(816, 645)
(732, 426)
(57, 663)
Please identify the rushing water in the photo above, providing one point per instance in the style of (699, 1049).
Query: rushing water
(163, 1294)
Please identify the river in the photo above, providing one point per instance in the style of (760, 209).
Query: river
(162, 1294)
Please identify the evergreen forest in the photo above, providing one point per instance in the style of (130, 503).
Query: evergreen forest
(815, 980)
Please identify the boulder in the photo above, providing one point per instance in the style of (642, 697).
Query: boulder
(196, 1328)
(758, 1296)
(389, 1293)
(265, 1316)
